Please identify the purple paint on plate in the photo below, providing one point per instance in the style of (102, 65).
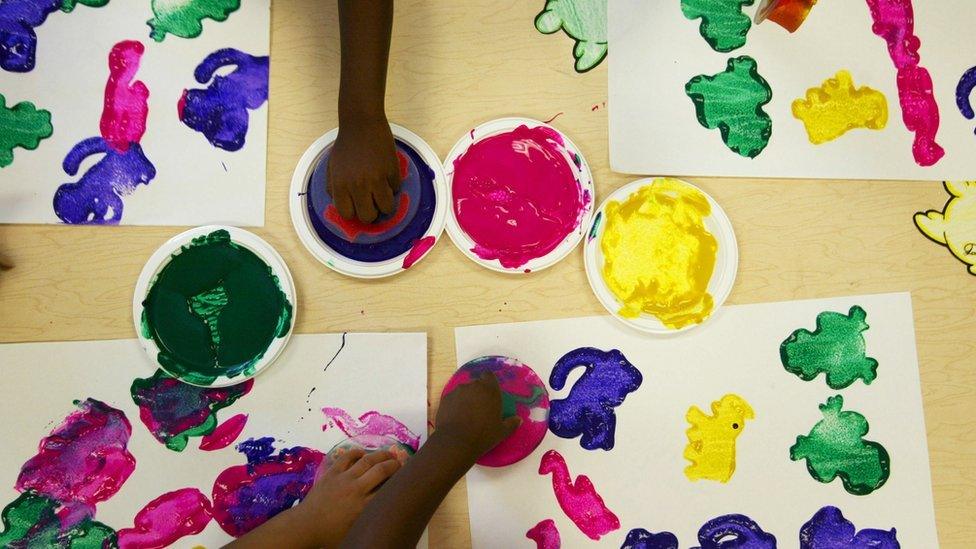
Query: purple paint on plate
(639, 538)
(523, 394)
(828, 529)
(391, 235)
(246, 496)
(220, 111)
(96, 198)
(738, 531)
(589, 409)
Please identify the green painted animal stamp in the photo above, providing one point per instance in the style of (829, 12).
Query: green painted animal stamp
(836, 348)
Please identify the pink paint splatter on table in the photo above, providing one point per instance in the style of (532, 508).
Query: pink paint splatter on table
(126, 99)
(371, 423)
(84, 461)
(894, 21)
(166, 519)
(225, 434)
(579, 500)
(516, 196)
(545, 535)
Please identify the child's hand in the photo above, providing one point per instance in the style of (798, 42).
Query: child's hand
(341, 492)
(363, 170)
(471, 414)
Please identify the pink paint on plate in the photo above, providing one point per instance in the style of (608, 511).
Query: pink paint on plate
(578, 499)
(545, 535)
(420, 248)
(516, 195)
(371, 423)
(166, 519)
(225, 434)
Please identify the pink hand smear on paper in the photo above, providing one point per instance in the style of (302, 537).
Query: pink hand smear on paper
(126, 99)
(224, 434)
(371, 423)
(545, 535)
(166, 519)
(894, 21)
(85, 460)
(579, 499)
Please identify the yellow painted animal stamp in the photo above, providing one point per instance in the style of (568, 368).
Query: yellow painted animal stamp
(955, 226)
(837, 107)
(711, 439)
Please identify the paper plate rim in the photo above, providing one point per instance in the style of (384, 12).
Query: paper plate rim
(297, 201)
(461, 240)
(720, 285)
(254, 243)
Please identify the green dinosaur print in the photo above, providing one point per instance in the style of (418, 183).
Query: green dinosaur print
(836, 348)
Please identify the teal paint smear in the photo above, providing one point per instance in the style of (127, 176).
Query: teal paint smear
(733, 101)
(214, 310)
(836, 348)
(69, 5)
(184, 18)
(585, 21)
(723, 25)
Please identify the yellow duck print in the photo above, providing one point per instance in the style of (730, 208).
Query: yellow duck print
(955, 226)
(711, 439)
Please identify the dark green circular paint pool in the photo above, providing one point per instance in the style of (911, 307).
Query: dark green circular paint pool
(214, 310)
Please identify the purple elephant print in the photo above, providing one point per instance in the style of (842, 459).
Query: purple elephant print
(18, 41)
(220, 111)
(96, 198)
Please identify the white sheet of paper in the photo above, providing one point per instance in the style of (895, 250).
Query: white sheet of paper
(642, 478)
(655, 50)
(382, 372)
(196, 183)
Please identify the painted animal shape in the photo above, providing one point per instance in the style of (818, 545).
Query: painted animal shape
(955, 226)
(18, 41)
(97, 197)
(126, 99)
(220, 112)
(828, 529)
(578, 499)
(585, 21)
(711, 439)
(734, 531)
(589, 409)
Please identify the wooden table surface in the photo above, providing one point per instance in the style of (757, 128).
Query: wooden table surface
(456, 64)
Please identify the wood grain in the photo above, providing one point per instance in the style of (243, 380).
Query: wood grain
(456, 64)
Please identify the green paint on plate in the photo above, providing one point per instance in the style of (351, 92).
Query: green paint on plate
(836, 348)
(835, 448)
(214, 310)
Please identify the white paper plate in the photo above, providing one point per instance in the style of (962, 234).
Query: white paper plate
(298, 201)
(720, 285)
(161, 257)
(581, 171)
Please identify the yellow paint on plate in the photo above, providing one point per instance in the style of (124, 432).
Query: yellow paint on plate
(837, 107)
(711, 438)
(658, 258)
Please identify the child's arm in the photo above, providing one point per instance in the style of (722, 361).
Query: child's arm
(326, 514)
(469, 423)
(363, 172)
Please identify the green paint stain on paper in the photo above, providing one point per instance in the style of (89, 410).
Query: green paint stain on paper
(22, 125)
(836, 348)
(31, 521)
(214, 310)
(835, 448)
(585, 21)
(69, 5)
(723, 25)
(732, 101)
(184, 18)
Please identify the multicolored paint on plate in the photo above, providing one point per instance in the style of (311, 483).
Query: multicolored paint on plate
(370, 444)
(214, 311)
(394, 242)
(523, 394)
(663, 256)
(521, 195)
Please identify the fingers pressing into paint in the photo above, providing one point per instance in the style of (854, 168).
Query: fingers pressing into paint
(473, 415)
(364, 172)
